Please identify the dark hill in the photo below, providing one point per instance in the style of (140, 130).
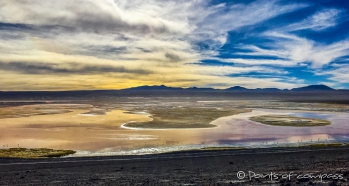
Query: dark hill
(237, 88)
(155, 87)
(314, 88)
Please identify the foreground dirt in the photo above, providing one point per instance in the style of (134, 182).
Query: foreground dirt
(185, 168)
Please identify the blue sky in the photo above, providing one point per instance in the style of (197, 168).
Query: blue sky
(308, 44)
(115, 44)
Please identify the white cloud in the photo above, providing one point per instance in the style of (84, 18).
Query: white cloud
(229, 70)
(98, 16)
(299, 50)
(339, 74)
(319, 21)
(253, 62)
(292, 50)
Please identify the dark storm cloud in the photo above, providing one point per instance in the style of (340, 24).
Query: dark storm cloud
(69, 68)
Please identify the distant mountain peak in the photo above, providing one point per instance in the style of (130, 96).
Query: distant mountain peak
(153, 87)
(236, 88)
(313, 88)
(240, 88)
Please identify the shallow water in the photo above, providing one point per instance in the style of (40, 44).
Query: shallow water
(104, 135)
(241, 130)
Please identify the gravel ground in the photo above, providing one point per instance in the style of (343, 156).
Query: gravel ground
(186, 168)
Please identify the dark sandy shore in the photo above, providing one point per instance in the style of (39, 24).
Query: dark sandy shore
(186, 168)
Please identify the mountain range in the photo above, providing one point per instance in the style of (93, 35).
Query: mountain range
(237, 92)
(235, 88)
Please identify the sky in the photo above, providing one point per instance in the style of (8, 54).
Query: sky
(116, 44)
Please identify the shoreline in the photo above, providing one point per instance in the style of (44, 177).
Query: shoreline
(188, 148)
(137, 128)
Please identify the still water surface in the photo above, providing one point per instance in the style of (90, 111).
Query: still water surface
(104, 135)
